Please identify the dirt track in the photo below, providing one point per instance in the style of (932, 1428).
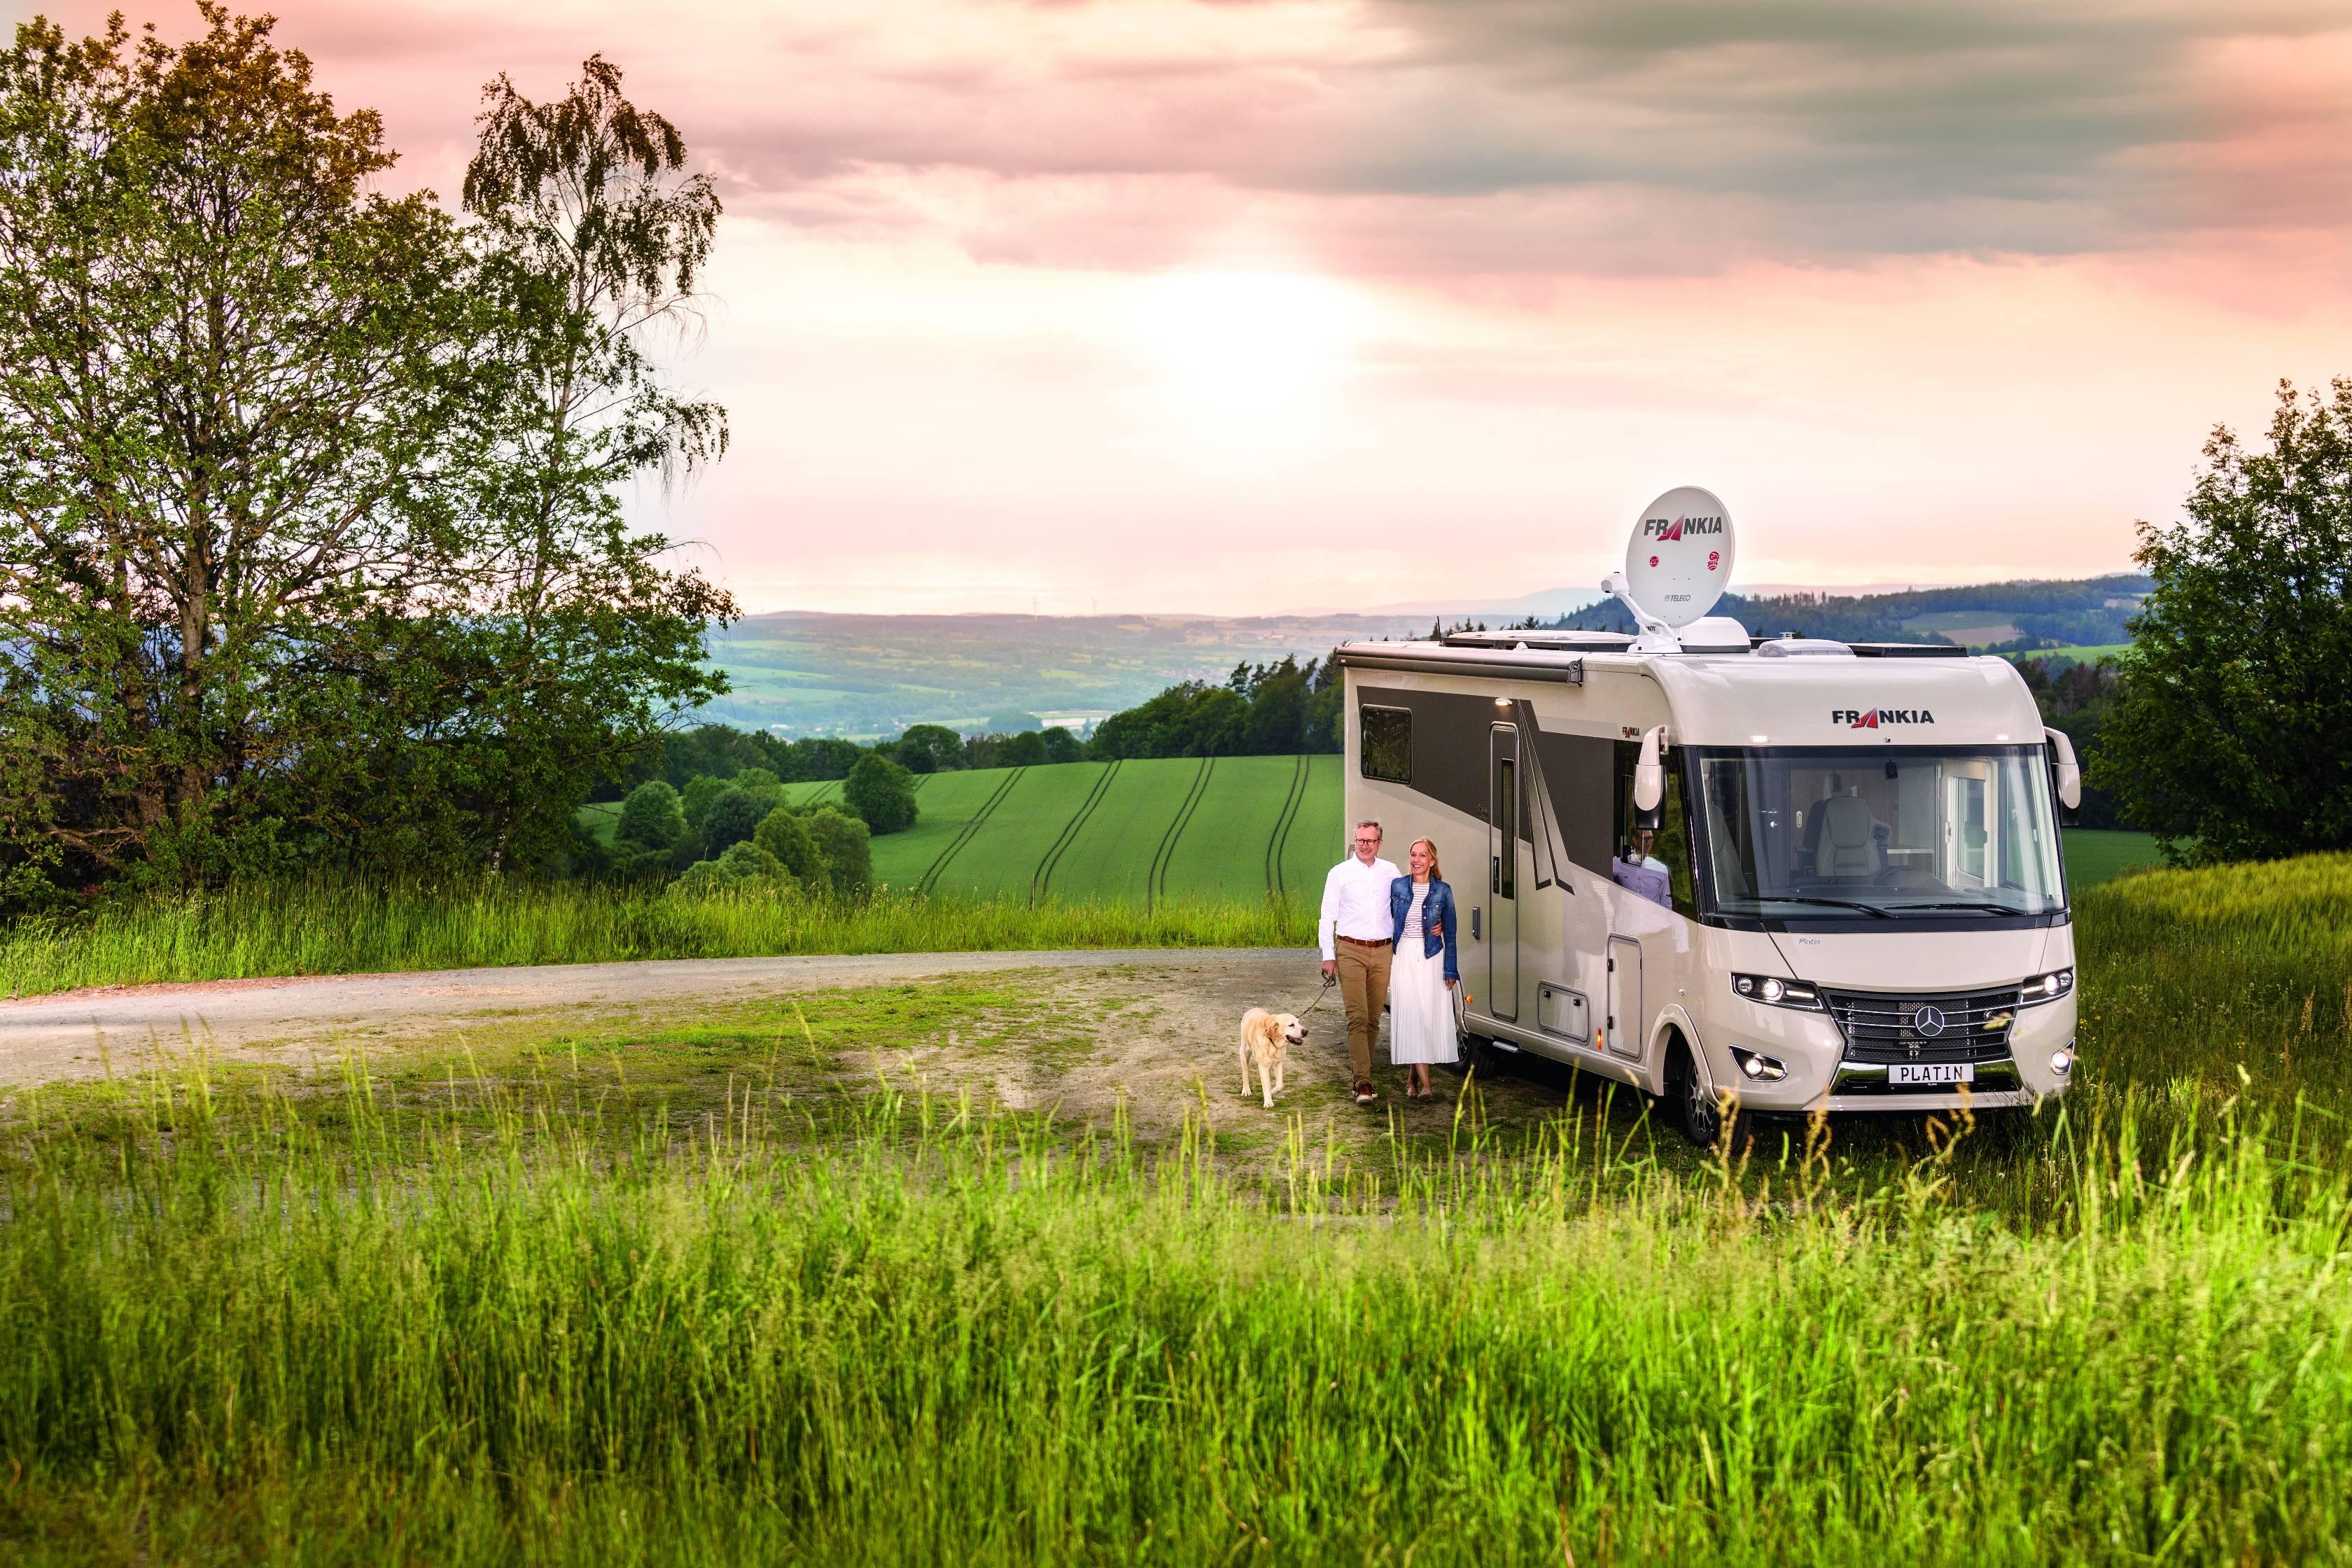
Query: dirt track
(73, 1034)
(1152, 1030)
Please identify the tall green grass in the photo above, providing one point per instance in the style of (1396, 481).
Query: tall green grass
(341, 929)
(519, 1324)
(2223, 979)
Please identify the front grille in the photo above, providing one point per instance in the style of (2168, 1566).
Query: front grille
(1884, 1029)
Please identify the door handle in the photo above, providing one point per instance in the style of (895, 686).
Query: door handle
(1495, 874)
(1475, 935)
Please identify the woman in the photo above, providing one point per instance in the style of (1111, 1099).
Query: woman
(1420, 1011)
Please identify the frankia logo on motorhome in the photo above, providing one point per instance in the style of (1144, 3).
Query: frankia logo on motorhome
(1877, 718)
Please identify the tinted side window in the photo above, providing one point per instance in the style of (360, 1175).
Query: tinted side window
(1387, 749)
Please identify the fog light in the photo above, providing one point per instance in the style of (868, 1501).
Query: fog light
(1753, 1067)
(2061, 1061)
(1762, 1069)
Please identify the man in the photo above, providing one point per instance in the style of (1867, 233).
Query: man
(1358, 940)
(1643, 872)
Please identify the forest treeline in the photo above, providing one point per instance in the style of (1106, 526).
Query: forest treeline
(2094, 611)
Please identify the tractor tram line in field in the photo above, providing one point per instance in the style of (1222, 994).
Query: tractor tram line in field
(1041, 879)
(970, 831)
(1155, 881)
(1278, 840)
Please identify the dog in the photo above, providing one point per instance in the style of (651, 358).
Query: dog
(1266, 1038)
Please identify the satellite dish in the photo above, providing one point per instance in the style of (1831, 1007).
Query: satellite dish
(1680, 556)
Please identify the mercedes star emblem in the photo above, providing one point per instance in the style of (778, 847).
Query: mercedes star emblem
(1929, 1021)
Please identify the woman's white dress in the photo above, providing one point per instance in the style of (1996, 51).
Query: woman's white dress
(1420, 1009)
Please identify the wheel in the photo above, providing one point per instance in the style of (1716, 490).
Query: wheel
(1694, 1106)
(1479, 1056)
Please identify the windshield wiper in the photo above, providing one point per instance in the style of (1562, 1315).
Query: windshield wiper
(1995, 909)
(1833, 903)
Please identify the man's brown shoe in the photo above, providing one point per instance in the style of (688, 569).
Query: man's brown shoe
(1364, 1095)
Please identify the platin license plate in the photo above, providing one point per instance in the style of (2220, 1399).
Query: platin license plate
(1931, 1072)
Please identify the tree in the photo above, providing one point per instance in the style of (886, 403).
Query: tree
(1023, 748)
(2228, 740)
(651, 818)
(882, 793)
(847, 845)
(929, 749)
(787, 838)
(1061, 746)
(288, 577)
(696, 798)
(731, 818)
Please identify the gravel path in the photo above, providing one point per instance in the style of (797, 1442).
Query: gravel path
(80, 1033)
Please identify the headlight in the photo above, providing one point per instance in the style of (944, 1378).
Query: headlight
(2048, 987)
(1779, 993)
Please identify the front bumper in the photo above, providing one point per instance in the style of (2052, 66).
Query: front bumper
(1823, 1076)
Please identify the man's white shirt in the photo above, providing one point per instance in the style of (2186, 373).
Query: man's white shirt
(1356, 903)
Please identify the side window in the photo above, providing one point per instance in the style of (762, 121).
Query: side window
(1670, 845)
(1387, 746)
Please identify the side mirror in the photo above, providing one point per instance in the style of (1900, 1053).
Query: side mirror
(1650, 781)
(2065, 773)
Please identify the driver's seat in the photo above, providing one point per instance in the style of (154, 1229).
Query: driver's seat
(1848, 846)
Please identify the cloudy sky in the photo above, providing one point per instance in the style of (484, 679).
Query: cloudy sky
(1244, 306)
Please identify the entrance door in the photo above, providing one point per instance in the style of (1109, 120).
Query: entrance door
(1503, 876)
(1624, 997)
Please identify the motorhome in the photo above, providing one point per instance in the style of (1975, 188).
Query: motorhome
(1775, 873)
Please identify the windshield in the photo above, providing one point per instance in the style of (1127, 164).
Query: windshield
(1850, 833)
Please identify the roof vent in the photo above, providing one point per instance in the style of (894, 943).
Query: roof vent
(1802, 647)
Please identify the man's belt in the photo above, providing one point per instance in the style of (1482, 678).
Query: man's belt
(1365, 941)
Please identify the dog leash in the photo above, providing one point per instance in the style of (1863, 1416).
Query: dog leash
(1318, 999)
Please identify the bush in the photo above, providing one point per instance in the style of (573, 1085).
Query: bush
(651, 818)
(881, 792)
(786, 837)
(847, 848)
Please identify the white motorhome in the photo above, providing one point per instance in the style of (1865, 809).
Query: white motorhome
(1855, 898)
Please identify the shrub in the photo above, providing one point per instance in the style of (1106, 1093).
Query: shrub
(881, 792)
(847, 847)
(787, 838)
(747, 862)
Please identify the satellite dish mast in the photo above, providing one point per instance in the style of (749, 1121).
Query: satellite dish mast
(1676, 564)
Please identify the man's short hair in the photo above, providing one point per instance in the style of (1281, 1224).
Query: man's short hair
(1375, 826)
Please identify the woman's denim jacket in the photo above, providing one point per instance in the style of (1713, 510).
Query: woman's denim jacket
(1436, 919)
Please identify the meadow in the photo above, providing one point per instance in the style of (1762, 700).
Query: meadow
(546, 1306)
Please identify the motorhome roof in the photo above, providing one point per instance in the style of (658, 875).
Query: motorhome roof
(1748, 699)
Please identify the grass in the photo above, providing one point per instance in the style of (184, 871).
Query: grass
(323, 929)
(2225, 981)
(528, 1318)
(725, 1293)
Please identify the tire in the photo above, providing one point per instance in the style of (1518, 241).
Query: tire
(1693, 1107)
(1480, 1057)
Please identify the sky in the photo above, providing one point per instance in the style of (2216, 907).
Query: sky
(1253, 305)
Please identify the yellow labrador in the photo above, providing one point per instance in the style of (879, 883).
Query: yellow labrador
(1266, 1038)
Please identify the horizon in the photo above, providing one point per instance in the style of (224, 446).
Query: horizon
(1213, 309)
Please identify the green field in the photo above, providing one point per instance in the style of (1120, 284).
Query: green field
(1139, 831)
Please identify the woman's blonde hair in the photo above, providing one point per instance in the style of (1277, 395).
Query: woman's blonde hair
(1435, 875)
